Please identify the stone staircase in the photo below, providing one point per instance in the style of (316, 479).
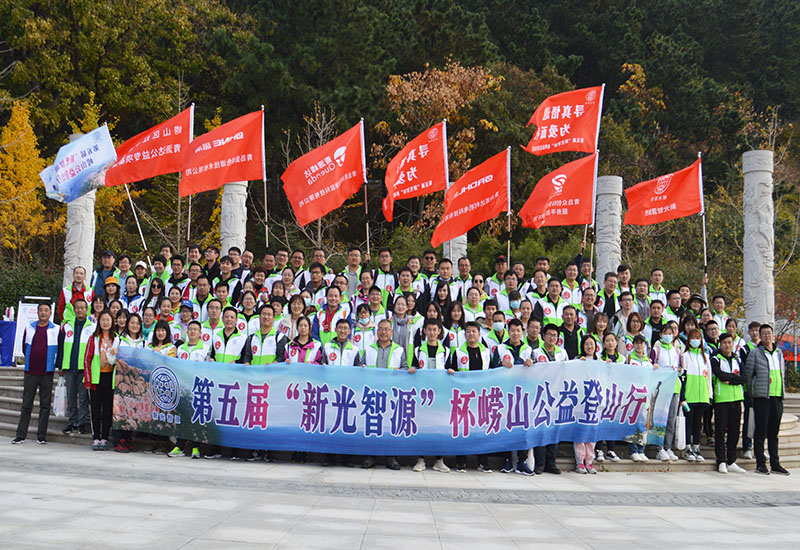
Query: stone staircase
(11, 379)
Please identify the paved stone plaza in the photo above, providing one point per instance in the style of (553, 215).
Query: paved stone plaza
(65, 496)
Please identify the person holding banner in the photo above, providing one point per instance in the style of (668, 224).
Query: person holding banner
(98, 369)
(162, 340)
(341, 352)
(510, 353)
(431, 355)
(193, 349)
(584, 450)
(666, 354)
(472, 355)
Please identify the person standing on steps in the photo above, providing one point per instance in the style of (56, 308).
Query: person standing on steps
(39, 346)
(764, 372)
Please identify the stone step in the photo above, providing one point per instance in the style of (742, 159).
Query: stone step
(54, 435)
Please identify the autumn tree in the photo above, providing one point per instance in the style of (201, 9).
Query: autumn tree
(23, 219)
(419, 100)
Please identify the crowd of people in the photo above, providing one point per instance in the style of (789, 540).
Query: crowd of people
(427, 314)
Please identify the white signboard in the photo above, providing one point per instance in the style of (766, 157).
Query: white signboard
(26, 314)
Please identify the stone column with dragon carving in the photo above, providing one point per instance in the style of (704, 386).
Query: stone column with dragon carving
(759, 237)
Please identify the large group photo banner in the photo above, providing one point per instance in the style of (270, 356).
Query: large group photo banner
(368, 411)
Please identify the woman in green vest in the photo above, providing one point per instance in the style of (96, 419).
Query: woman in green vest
(696, 392)
(162, 340)
(98, 371)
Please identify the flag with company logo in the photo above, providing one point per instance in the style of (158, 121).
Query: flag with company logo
(231, 152)
(668, 197)
(418, 169)
(160, 150)
(321, 180)
(569, 121)
(479, 195)
(564, 196)
(80, 166)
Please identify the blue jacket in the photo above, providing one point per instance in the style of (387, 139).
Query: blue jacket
(52, 344)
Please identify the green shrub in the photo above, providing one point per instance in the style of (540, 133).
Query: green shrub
(27, 280)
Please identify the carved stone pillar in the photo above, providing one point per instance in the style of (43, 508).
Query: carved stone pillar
(759, 237)
(233, 216)
(608, 225)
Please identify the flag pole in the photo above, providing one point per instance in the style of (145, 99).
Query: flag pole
(448, 183)
(180, 175)
(139, 226)
(264, 177)
(364, 168)
(189, 226)
(703, 202)
(508, 191)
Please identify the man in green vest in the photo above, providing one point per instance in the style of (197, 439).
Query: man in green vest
(764, 375)
(72, 340)
(728, 398)
(267, 345)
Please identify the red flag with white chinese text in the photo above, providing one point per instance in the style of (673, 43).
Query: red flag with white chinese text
(569, 121)
(321, 180)
(479, 195)
(231, 152)
(160, 150)
(564, 196)
(419, 168)
(668, 197)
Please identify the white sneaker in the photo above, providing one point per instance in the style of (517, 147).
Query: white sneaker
(736, 469)
(612, 456)
(688, 456)
(672, 456)
(420, 465)
(662, 455)
(440, 466)
(636, 457)
(643, 457)
(600, 456)
(697, 456)
(748, 454)
(722, 468)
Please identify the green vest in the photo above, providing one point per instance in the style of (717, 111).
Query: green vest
(727, 393)
(69, 341)
(95, 366)
(263, 347)
(697, 377)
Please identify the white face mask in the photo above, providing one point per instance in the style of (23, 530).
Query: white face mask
(498, 326)
(307, 301)
(666, 338)
(363, 320)
(515, 304)
(695, 342)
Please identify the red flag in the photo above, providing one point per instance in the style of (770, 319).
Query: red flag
(479, 195)
(419, 168)
(666, 198)
(321, 180)
(564, 196)
(159, 150)
(231, 152)
(569, 121)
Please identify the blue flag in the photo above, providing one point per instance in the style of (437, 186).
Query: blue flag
(80, 166)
